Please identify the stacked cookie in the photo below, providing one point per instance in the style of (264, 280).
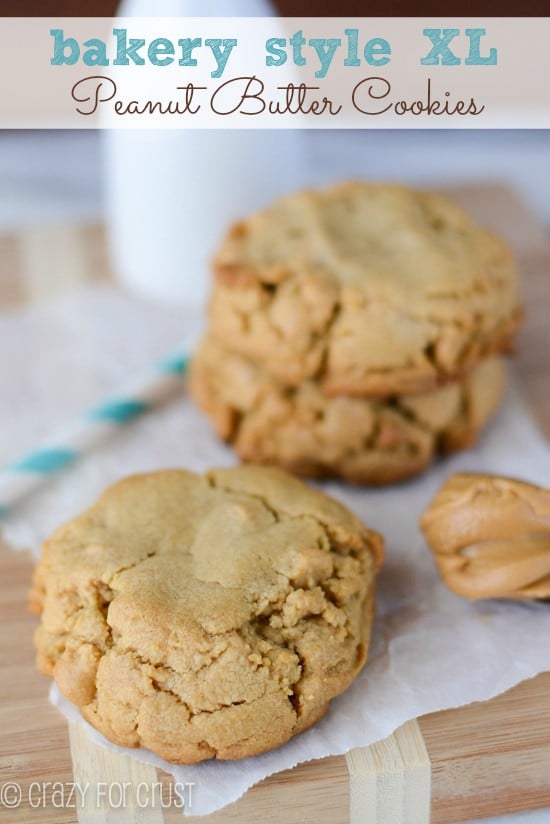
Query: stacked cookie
(356, 332)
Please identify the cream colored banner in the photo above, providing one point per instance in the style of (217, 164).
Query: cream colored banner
(195, 73)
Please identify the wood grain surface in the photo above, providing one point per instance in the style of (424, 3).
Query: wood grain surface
(484, 759)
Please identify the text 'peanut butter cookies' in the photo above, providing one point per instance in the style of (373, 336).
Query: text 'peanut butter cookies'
(491, 537)
(370, 289)
(206, 616)
(361, 439)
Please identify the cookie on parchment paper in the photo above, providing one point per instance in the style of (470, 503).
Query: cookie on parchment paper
(206, 616)
(370, 289)
(363, 440)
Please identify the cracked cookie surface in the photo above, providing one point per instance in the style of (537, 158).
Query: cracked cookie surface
(312, 434)
(370, 289)
(206, 616)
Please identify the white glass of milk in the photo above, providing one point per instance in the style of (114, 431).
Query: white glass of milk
(172, 194)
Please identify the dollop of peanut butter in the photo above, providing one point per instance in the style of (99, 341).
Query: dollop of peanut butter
(491, 537)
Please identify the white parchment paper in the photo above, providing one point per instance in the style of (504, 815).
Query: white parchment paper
(431, 650)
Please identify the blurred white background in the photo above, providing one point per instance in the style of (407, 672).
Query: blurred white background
(54, 176)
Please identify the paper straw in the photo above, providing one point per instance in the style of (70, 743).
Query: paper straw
(76, 439)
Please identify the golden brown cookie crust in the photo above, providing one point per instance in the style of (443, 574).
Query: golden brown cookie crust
(311, 434)
(491, 536)
(206, 616)
(371, 289)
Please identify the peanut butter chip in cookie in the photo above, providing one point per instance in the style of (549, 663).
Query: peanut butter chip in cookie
(206, 616)
(491, 537)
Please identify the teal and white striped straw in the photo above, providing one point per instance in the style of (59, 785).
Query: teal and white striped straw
(75, 439)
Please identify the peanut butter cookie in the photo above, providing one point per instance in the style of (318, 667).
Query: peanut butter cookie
(361, 439)
(370, 289)
(206, 616)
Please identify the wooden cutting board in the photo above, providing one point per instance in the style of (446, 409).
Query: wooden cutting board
(483, 759)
